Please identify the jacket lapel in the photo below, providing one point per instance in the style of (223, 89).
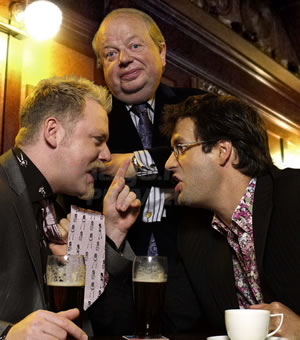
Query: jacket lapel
(208, 260)
(23, 208)
(219, 273)
(120, 121)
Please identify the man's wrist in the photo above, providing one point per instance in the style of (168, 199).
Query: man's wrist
(116, 236)
(114, 246)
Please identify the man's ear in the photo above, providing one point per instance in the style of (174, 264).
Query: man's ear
(225, 151)
(53, 132)
(163, 54)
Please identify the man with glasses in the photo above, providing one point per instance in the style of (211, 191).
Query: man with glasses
(245, 255)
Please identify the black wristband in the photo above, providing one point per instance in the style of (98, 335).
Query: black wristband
(113, 245)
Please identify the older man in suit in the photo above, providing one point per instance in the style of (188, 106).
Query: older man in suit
(132, 53)
(247, 254)
(62, 140)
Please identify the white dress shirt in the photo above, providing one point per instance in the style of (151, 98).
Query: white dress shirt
(154, 207)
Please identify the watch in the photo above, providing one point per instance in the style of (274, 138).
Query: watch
(137, 166)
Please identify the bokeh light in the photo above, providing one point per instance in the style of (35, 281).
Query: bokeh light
(42, 19)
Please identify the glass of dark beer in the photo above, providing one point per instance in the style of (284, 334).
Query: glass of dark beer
(149, 276)
(65, 281)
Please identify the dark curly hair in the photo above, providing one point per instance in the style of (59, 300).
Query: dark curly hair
(225, 118)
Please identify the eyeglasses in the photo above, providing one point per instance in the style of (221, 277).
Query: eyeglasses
(180, 149)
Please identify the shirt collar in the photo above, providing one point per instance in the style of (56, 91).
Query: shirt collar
(37, 185)
(242, 213)
(151, 103)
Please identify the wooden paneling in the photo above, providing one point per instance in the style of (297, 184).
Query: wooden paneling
(3, 50)
(201, 51)
(12, 93)
(28, 62)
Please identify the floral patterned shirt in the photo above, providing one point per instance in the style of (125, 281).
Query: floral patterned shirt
(240, 238)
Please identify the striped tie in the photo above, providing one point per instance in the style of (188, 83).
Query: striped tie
(144, 129)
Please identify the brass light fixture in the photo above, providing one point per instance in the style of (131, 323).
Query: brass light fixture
(40, 20)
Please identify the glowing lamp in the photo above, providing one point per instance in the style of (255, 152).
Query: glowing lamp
(42, 19)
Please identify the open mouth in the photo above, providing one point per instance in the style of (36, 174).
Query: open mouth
(178, 186)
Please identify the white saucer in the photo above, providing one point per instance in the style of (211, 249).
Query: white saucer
(225, 337)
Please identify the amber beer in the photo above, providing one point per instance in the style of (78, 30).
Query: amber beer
(63, 297)
(65, 281)
(149, 285)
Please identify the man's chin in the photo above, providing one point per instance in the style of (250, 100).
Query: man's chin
(89, 194)
(134, 94)
(182, 200)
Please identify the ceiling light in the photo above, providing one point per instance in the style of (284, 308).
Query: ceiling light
(42, 19)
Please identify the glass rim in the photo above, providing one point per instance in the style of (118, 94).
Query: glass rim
(65, 256)
(154, 257)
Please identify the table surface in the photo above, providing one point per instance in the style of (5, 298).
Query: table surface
(170, 337)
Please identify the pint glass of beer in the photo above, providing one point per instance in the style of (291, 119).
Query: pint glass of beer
(65, 281)
(149, 276)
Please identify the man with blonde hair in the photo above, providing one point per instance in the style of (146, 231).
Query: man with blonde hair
(61, 142)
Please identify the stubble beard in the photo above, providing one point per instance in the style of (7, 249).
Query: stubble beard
(95, 166)
(89, 194)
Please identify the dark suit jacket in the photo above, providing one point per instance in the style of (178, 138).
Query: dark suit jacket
(123, 136)
(112, 313)
(21, 284)
(276, 222)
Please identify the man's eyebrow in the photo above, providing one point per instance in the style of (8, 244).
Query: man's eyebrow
(110, 45)
(100, 138)
(176, 140)
(131, 37)
(134, 37)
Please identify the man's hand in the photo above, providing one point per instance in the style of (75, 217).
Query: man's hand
(120, 207)
(291, 321)
(63, 227)
(45, 325)
(117, 159)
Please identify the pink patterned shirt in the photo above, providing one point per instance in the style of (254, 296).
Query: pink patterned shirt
(240, 238)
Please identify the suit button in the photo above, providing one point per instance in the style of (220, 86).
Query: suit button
(148, 214)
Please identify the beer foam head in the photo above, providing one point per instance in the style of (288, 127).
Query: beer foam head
(59, 276)
(161, 279)
(65, 284)
(152, 274)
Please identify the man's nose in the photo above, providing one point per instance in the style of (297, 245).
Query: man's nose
(104, 154)
(125, 57)
(171, 162)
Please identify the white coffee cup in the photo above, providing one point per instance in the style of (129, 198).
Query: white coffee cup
(249, 324)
